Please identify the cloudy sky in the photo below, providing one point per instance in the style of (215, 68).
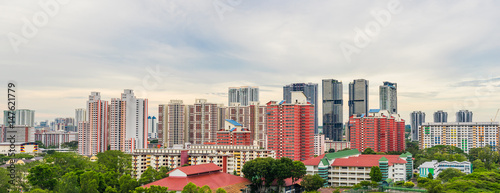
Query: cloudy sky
(443, 55)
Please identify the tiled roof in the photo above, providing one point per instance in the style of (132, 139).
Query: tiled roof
(213, 180)
(199, 169)
(288, 182)
(367, 160)
(313, 161)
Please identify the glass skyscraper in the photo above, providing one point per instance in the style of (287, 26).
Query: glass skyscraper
(332, 109)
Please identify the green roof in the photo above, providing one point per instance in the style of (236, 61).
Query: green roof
(406, 154)
(403, 155)
(341, 154)
(383, 159)
(325, 162)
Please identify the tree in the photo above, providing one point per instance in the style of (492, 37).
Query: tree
(68, 183)
(126, 183)
(162, 173)
(110, 189)
(235, 173)
(375, 174)
(73, 145)
(434, 186)
(40, 144)
(312, 182)
(220, 190)
(298, 170)
(331, 150)
(449, 174)
(369, 151)
(409, 184)
(148, 176)
(38, 190)
(185, 165)
(43, 176)
(117, 161)
(365, 184)
(422, 181)
(259, 172)
(89, 182)
(151, 189)
(190, 188)
(430, 176)
(205, 189)
(4, 180)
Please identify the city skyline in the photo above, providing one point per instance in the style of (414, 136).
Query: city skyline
(176, 61)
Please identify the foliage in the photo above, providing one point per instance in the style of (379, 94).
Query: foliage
(422, 181)
(205, 189)
(409, 184)
(190, 188)
(439, 153)
(89, 182)
(449, 174)
(430, 176)
(69, 183)
(369, 151)
(117, 161)
(43, 176)
(220, 190)
(263, 171)
(475, 182)
(38, 190)
(434, 186)
(151, 189)
(375, 174)
(331, 150)
(312, 182)
(126, 183)
(4, 180)
(40, 144)
(73, 145)
(489, 158)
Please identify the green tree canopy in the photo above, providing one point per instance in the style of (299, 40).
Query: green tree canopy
(205, 189)
(190, 188)
(69, 183)
(312, 182)
(449, 174)
(43, 176)
(117, 161)
(369, 151)
(220, 190)
(375, 174)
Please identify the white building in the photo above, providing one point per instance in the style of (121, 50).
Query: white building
(22, 134)
(23, 117)
(93, 134)
(434, 167)
(319, 144)
(80, 115)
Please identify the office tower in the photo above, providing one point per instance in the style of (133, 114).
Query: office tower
(252, 117)
(311, 92)
(174, 122)
(417, 118)
(203, 122)
(233, 133)
(464, 116)
(389, 97)
(129, 123)
(465, 135)
(378, 130)
(290, 127)
(80, 115)
(440, 117)
(333, 109)
(153, 132)
(243, 95)
(23, 117)
(93, 134)
(358, 97)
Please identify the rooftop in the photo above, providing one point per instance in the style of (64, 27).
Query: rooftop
(367, 160)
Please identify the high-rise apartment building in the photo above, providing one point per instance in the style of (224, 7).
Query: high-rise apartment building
(440, 117)
(290, 127)
(153, 131)
(333, 109)
(252, 117)
(23, 117)
(233, 133)
(319, 144)
(175, 123)
(243, 95)
(389, 97)
(379, 130)
(465, 135)
(128, 122)
(93, 134)
(310, 90)
(464, 116)
(80, 115)
(203, 122)
(358, 97)
(416, 118)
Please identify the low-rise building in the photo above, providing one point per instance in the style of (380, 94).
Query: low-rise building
(320, 165)
(233, 133)
(434, 167)
(337, 145)
(230, 158)
(55, 138)
(21, 147)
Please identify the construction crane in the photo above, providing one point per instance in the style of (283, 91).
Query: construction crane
(493, 120)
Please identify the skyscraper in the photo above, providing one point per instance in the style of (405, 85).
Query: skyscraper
(93, 134)
(389, 97)
(80, 115)
(464, 116)
(243, 95)
(332, 109)
(417, 118)
(252, 117)
(203, 122)
(153, 131)
(311, 92)
(440, 117)
(175, 123)
(358, 97)
(291, 128)
(129, 123)
(23, 117)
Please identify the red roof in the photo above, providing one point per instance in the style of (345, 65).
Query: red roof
(367, 161)
(313, 161)
(213, 180)
(198, 169)
(288, 182)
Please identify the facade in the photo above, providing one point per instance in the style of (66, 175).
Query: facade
(162, 124)
(80, 115)
(244, 95)
(417, 118)
(440, 117)
(378, 130)
(319, 144)
(290, 127)
(152, 127)
(234, 133)
(358, 97)
(174, 123)
(20, 147)
(230, 158)
(462, 135)
(23, 117)
(93, 135)
(464, 116)
(389, 97)
(333, 109)
(55, 138)
(434, 167)
(203, 122)
(252, 117)
(337, 145)
(128, 122)
(310, 90)
(22, 134)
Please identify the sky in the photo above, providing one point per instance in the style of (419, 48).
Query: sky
(444, 55)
